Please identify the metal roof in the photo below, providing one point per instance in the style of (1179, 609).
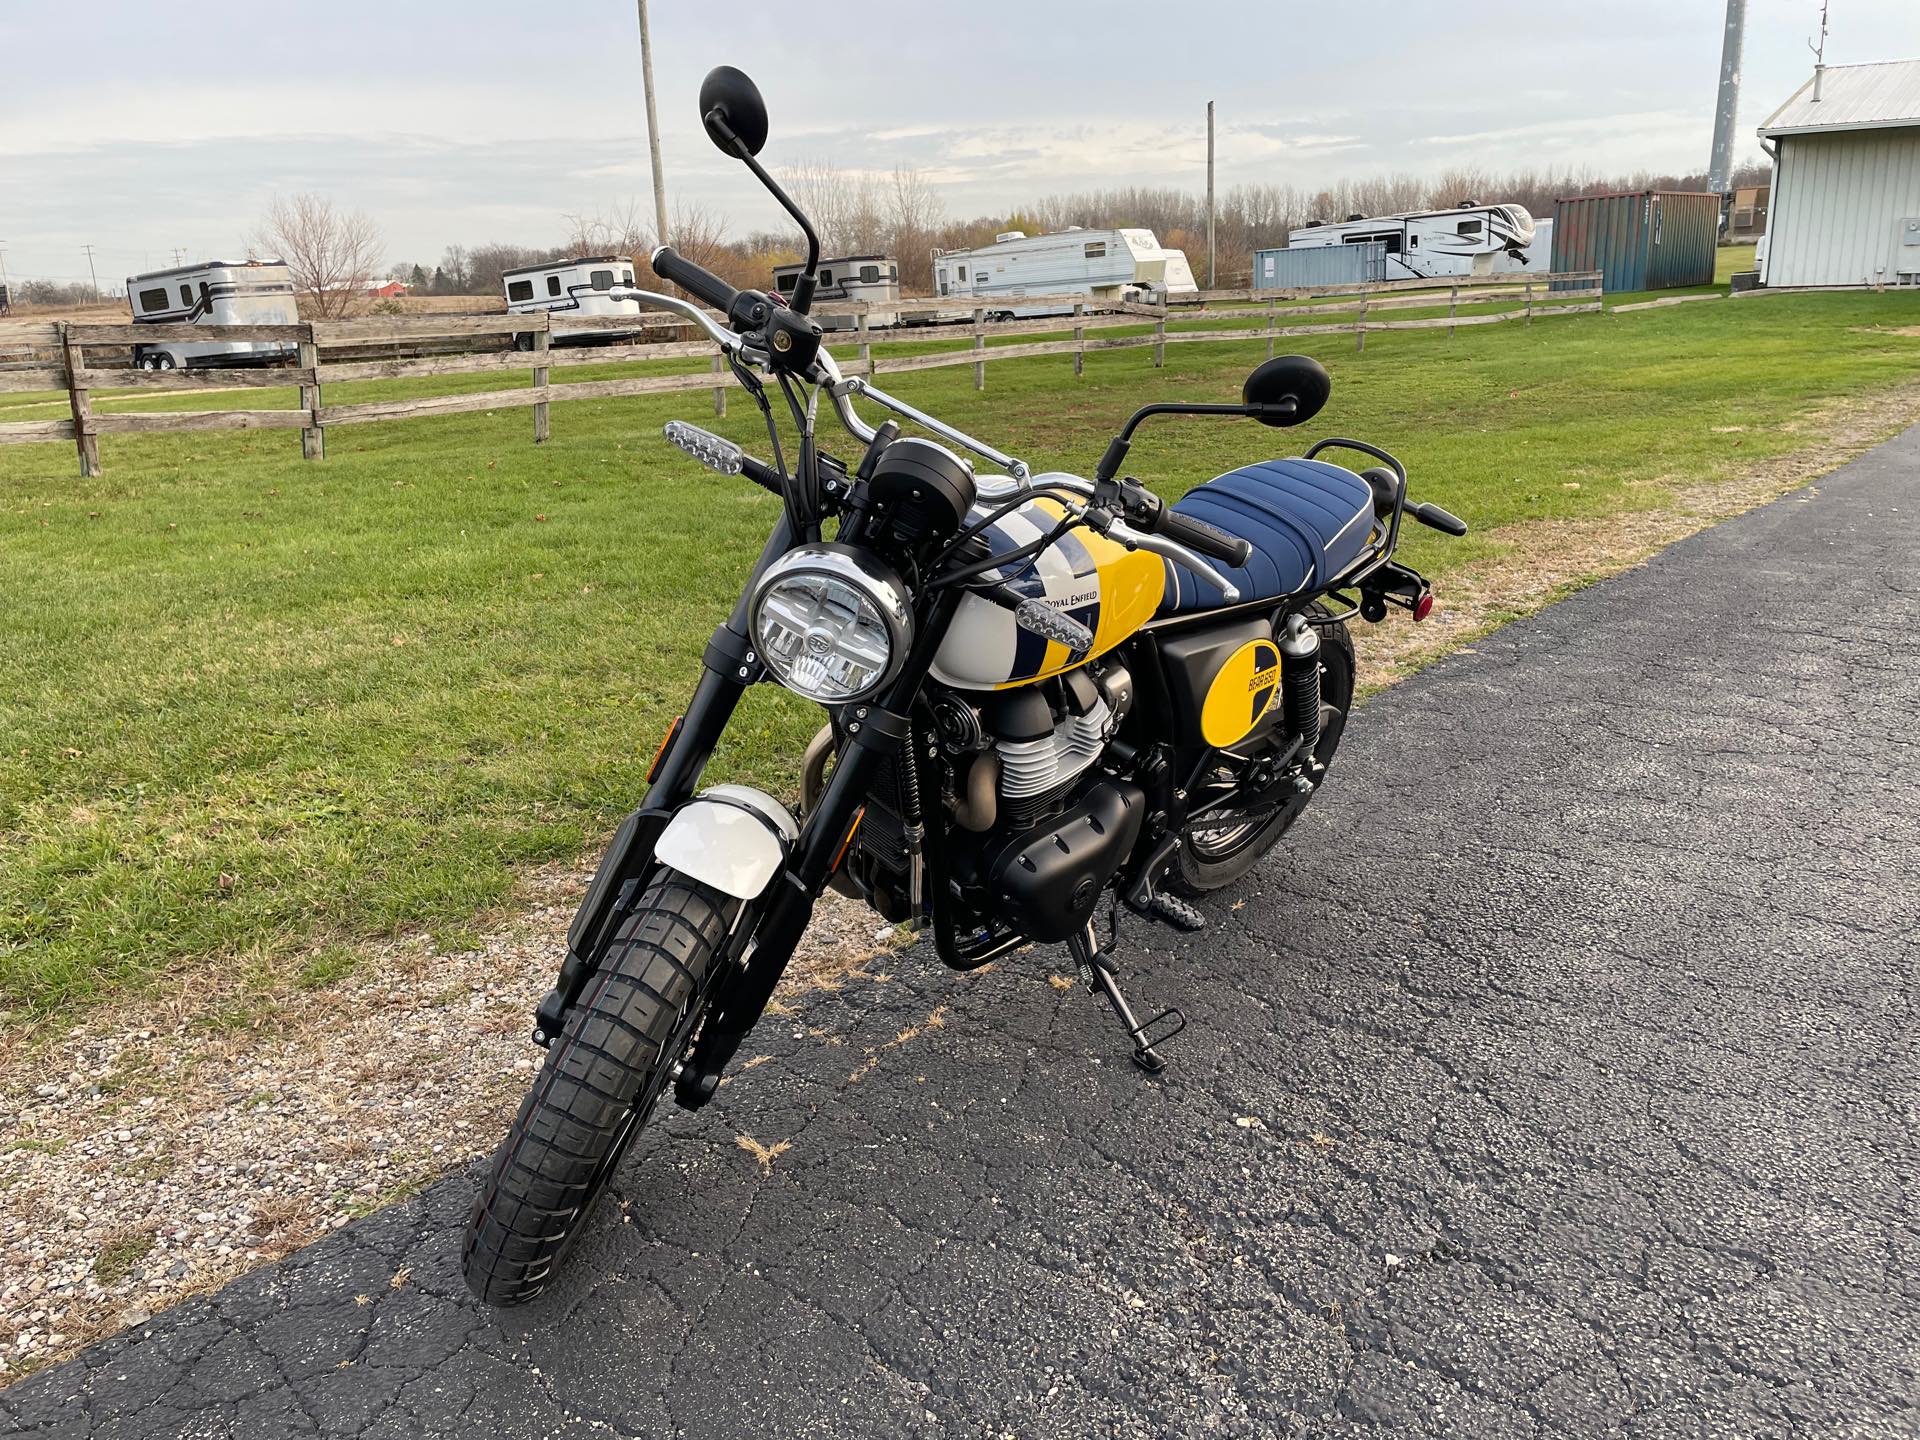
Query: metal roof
(1852, 97)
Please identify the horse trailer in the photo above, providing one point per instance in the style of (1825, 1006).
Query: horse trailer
(575, 288)
(874, 279)
(1425, 244)
(216, 293)
(1109, 264)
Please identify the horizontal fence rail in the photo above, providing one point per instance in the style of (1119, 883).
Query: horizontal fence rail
(41, 356)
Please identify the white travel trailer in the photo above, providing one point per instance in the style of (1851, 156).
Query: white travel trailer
(872, 278)
(574, 287)
(1110, 264)
(1427, 243)
(219, 292)
(1533, 259)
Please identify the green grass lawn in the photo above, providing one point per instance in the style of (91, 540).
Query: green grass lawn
(253, 704)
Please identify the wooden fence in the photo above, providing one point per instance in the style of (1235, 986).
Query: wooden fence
(56, 354)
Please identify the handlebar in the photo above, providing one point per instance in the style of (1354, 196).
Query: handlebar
(1207, 539)
(696, 280)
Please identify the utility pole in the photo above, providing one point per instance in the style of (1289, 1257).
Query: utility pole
(1819, 52)
(1210, 278)
(91, 271)
(653, 130)
(1720, 162)
(179, 255)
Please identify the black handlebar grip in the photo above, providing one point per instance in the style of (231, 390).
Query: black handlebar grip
(1209, 540)
(696, 280)
(1445, 520)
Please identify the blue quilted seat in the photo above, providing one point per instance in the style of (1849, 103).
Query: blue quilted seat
(1308, 522)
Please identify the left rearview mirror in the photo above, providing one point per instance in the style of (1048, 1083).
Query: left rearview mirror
(732, 111)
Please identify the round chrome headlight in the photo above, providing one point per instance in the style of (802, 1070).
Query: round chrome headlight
(831, 622)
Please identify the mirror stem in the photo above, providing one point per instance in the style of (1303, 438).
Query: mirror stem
(802, 301)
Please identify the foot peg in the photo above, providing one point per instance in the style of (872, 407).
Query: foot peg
(1176, 912)
(1102, 977)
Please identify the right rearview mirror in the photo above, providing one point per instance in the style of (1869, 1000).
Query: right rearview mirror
(731, 109)
(1287, 390)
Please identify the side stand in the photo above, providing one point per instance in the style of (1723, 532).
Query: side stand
(1102, 976)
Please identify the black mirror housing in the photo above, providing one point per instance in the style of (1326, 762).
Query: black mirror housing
(733, 112)
(1287, 390)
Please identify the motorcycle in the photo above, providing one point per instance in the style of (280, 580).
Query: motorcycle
(1040, 690)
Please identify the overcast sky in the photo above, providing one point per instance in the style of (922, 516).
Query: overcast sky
(140, 127)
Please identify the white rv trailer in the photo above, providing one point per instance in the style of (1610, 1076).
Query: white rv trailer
(574, 287)
(1533, 259)
(1110, 264)
(1426, 243)
(218, 292)
(872, 278)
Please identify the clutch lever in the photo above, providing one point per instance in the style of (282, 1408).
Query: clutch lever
(727, 340)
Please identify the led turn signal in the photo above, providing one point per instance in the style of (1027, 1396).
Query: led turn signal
(666, 743)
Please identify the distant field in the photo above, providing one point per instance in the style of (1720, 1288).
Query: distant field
(254, 704)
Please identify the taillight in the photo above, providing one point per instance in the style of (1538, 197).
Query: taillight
(1423, 607)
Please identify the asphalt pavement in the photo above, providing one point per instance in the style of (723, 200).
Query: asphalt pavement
(1558, 1079)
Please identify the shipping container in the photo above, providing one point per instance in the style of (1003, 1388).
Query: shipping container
(1648, 240)
(1315, 265)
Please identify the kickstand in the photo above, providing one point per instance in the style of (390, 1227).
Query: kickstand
(1102, 977)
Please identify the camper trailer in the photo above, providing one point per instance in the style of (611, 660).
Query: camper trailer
(1534, 258)
(1110, 264)
(872, 278)
(574, 287)
(219, 292)
(1424, 244)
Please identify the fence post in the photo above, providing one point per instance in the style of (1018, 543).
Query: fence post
(1453, 305)
(542, 342)
(866, 342)
(1273, 316)
(1160, 336)
(719, 391)
(1079, 340)
(1360, 328)
(84, 440)
(313, 440)
(1529, 302)
(979, 346)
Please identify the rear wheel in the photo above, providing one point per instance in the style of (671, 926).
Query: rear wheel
(1221, 846)
(601, 1081)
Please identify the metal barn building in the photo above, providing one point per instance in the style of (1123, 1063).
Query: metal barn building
(1846, 186)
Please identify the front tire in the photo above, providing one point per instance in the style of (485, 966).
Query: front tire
(599, 1085)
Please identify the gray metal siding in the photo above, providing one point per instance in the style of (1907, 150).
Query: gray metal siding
(1292, 268)
(1838, 200)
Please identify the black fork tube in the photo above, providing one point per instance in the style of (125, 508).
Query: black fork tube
(875, 730)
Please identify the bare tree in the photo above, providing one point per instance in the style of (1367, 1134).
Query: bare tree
(332, 254)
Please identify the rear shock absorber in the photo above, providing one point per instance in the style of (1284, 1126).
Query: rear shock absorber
(1300, 681)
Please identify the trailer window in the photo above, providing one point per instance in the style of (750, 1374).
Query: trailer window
(963, 272)
(553, 285)
(186, 295)
(826, 278)
(519, 290)
(869, 274)
(1096, 250)
(626, 277)
(154, 299)
(893, 272)
(1468, 227)
(602, 279)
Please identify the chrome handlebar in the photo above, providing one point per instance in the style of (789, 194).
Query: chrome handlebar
(1020, 480)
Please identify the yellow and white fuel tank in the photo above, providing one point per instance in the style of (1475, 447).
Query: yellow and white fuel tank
(1108, 588)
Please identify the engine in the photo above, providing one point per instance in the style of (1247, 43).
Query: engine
(1011, 762)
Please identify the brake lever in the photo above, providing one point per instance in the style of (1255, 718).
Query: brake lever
(1122, 533)
(729, 341)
